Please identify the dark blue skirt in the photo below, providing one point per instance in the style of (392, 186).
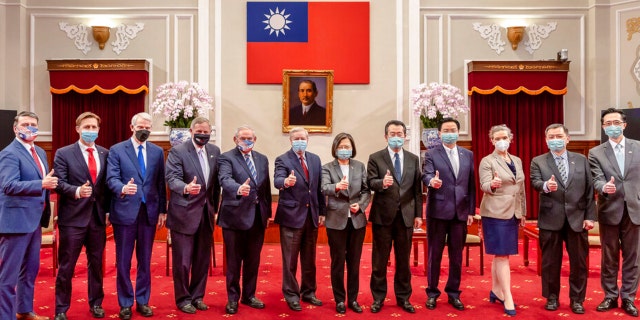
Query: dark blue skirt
(500, 236)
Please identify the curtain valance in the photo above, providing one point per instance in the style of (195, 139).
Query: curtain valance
(513, 77)
(104, 76)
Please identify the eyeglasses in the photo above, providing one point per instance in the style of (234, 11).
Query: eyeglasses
(614, 123)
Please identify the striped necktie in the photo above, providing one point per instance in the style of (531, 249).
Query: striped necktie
(254, 174)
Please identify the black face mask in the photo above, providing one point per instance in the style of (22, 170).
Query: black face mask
(201, 138)
(142, 135)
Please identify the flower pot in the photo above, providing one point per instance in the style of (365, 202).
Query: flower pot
(430, 138)
(178, 136)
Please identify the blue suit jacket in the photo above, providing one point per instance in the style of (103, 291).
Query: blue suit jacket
(294, 201)
(122, 165)
(22, 198)
(456, 198)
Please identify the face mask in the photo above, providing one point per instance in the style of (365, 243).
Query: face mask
(299, 145)
(344, 154)
(613, 131)
(89, 136)
(555, 144)
(142, 135)
(28, 135)
(201, 138)
(449, 138)
(395, 142)
(502, 145)
(245, 145)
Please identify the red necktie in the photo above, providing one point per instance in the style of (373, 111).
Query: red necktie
(93, 169)
(35, 158)
(304, 168)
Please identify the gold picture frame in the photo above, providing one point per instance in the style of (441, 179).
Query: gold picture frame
(297, 85)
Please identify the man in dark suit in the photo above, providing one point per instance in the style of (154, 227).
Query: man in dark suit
(298, 176)
(448, 172)
(192, 177)
(244, 214)
(24, 209)
(394, 176)
(615, 170)
(566, 213)
(309, 112)
(135, 176)
(83, 203)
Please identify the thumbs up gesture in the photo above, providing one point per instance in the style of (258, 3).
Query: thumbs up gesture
(552, 185)
(245, 188)
(496, 182)
(436, 182)
(387, 181)
(193, 187)
(130, 188)
(343, 184)
(290, 181)
(49, 182)
(610, 186)
(85, 190)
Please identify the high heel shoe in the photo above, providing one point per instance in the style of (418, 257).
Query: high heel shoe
(510, 312)
(493, 297)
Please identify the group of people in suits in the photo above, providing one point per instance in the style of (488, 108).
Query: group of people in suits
(125, 187)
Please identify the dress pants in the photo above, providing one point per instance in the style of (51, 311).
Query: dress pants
(345, 246)
(19, 265)
(454, 233)
(623, 237)
(300, 242)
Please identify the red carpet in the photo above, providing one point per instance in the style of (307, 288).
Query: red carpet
(526, 291)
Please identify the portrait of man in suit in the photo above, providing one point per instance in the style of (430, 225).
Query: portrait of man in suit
(449, 174)
(244, 214)
(192, 176)
(566, 213)
(83, 205)
(394, 175)
(135, 176)
(24, 209)
(308, 112)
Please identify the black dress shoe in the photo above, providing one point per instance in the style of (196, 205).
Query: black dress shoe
(253, 302)
(144, 310)
(355, 307)
(125, 313)
(376, 306)
(629, 307)
(552, 305)
(431, 303)
(294, 305)
(97, 311)
(577, 307)
(456, 303)
(231, 307)
(198, 304)
(187, 308)
(607, 304)
(407, 306)
(313, 300)
(60, 316)
(341, 308)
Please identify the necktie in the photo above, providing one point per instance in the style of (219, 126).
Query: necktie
(304, 168)
(93, 168)
(620, 158)
(454, 162)
(254, 174)
(203, 165)
(397, 167)
(563, 170)
(37, 160)
(143, 169)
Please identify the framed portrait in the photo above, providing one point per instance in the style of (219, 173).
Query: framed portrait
(307, 100)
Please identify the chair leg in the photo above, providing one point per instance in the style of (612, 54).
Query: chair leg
(467, 262)
(55, 257)
(168, 259)
(481, 258)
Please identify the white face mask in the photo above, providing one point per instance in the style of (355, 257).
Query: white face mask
(502, 145)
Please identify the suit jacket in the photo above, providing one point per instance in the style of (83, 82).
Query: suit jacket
(185, 210)
(507, 200)
(122, 165)
(72, 172)
(603, 164)
(405, 195)
(573, 201)
(317, 115)
(295, 201)
(238, 212)
(22, 198)
(338, 203)
(456, 198)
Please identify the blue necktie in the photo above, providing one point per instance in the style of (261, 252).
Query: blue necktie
(143, 169)
(247, 158)
(397, 167)
(620, 158)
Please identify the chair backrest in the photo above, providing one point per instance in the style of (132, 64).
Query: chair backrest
(50, 227)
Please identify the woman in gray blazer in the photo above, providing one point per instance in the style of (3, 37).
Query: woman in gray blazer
(344, 183)
(503, 208)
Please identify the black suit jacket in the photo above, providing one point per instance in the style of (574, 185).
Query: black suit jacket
(317, 116)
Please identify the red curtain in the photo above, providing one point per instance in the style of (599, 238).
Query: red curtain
(115, 110)
(527, 116)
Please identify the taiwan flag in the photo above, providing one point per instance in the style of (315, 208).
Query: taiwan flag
(308, 36)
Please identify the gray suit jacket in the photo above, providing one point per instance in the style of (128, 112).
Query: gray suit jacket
(338, 202)
(573, 200)
(507, 200)
(604, 166)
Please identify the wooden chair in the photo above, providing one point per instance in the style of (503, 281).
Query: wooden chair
(594, 239)
(168, 254)
(49, 236)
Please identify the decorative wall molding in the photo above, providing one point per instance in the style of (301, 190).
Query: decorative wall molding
(633, 26)
(79, 33)
(535, 35)
(125, 33)
(492, 34)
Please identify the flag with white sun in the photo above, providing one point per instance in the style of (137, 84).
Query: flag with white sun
(277, 22)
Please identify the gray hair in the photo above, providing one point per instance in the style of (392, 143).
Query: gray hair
(556, 126)
(500, 127)
(245, 127)
(143, 115)
(298, 129)
(199, 120)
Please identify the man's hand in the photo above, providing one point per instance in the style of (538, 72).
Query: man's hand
(86, 190)
(610, 187)
(193, 187)
(130, 188)
(162, 220)
(354, 207)
(588, 224)
(343, 184)
(469, 220)
(552, 185)
(417, 223)
(290, 181)
(49, 182)
(321, 220)
(245, 188)
(435, 182)
(387, 181)
(496, 182)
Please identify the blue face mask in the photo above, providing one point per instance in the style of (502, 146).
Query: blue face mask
(613, 131)
(89, 136)
(245, 145)
(449, 138)
(299, 145)
(28, 135)
(395, 142)
(555, 144)
(343, 154)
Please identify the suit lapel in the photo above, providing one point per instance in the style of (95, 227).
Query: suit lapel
(293, 157)
(103, 164)
(445, 158)
(195, 162)
(134, 159)
(27, 154)
(628, 156)
(503, 164)
(571, 159)
(243, 163)
(551, 163)
(77, 153)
